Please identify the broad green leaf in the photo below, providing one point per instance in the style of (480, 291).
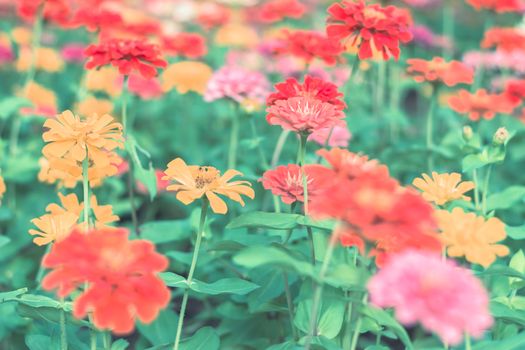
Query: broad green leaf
(501, 311)
(516, 342)
(506, 199)
(205, 339)
(165, 231)
(173, 280)
(227, 285)
(38, 342)
(329, 320)
(385, 319)
(120, 344)
(144, 174)
(516, 232)
(260, 219)
(501, 270)
(160, 331)
(289, 345)
(4, 240)
(11, 105)
(10, 296)
(473, 161)
(517, 262)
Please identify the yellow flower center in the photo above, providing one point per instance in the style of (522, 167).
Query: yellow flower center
(371, 13)
(206, 175)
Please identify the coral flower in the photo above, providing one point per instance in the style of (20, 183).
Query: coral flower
(187, 76)
(499, 6)
(480, 104)
(304, 115)
(276, 10)
(70, 136)
(286, 181)
(444, 298)
(2, 187)
(57, 11)
(515, 90)
(190, 45)
(145, 88)
(120, 275)
(471, 236)
(237, 35)
(504, 39)
(450, 73)
(237, 84)
(309, 45)
(193, 182)
(94, 19)
(339, 136)
(443, 188)
(127, 55)
(370, 27)
(213, 15)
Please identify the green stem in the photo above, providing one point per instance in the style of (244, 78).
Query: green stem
(357, 330)
(380, 88)
(189, 280)
(259, 147)
(476, 189)
(107, 340)
(486, 190)
(430, 131)
(289, 304)
(312, 245)
(93, 338)
(234, 139)
(353, 74)
(85, 186)
(63, 332)
(468, 345)
(448, 27)
(279, 147)
(301, 155)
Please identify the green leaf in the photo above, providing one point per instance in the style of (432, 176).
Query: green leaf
(500, 270)
(516, 342)
(173, 280)
(10, 296)
(516, 232)
(4, 240)
(11, 105)
(120, 344)
(329, 320)
(205, 339)
(224, 286)
(289, 345)
(160, 331)
(506, 199)
(517, 262)
(473, 161)
(261, 219)
(38, 342)
(385, 319)
(501, 311)
(146, 175)
(165, 231)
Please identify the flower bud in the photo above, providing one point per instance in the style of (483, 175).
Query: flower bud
(467, 133)
(500, 136)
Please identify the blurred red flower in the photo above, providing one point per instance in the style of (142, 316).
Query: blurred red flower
(506, 39)
(498, 5)
(276, 10)
(515, 90)
(127, 55)
(450, 73)
(95, 19)
(369, 27)
(481, 104)
(212, 15)
(121, 277)
(190, 45)
(309, 45)
(56, 11)
(145, 88)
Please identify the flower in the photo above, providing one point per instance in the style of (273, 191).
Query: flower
(57, 11)
(213, 15)
(44, 101)
(504, 39)
(339, 136)
(2, 187)
(91, 105)
(73, 52)
(190, 45)
(237, 35)
(104, 79)
(443, 188)
(127, 55)
(52, 227)
(515, 90)
(471, 236)
(276, 10)
(193, 182)
(145, 88)
(309, 45)
(304, 115)
(424, 37)
(237, 84)
(499, 6)
(444, 298)
(480, 104)
(187, 76)
(286, 181)
(370, 27)
(46, 59)
(450, 73)
(93, 19)
(119, 275)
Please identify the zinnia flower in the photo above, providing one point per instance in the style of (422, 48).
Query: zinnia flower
(46, 59)
(308, 45)
(450, 73)
(471, 236)
(480, 104)
(187, 76)
(237, 84)
(339, 136)
(499, 6)
(212, 15)
(370, 27)
(120, 277)
(445, 298)
(276, 10)
(286, 181)
(127, 55)
(515, 90)
(190, 45)
(193, 182)
(52, 227)
(2, 187)
(443, 188)
(505, 39)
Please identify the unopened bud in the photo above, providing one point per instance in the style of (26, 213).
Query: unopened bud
(500, 136)
(467, 133)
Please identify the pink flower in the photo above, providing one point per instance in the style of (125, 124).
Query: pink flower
(304, 114)
(339, 136)
(444, 298)
(6, 54)
(286, 181)
(145, 88)
(73, 52)
(237, 84)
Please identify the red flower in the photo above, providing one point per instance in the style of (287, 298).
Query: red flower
(57, 11)
(145, 88)
(127, 55)
(120, 277)
(515, 90)
(481, 104)
(276, 10)
(190, 45)
(312, 87)
(213, 15)
(497, 5)
(286, 181)
(309, 45)
(506, 39)
(95, 19)
(369, 27)
(450, 73)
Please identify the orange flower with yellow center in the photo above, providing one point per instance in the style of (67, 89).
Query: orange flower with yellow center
(443, 188)
(193, 182)
(471, 236)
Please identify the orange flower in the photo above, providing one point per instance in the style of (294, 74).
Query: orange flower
(468, 235)
(103, 214)
(506, 39)
(53, 227)
(92, 105)
(105, 79)
(193, 182)
(2, 187)
(237, 35)
(187, 76)
(480, 104)
(443, 188)
(450, 73)
(47, 60)
(44, 100)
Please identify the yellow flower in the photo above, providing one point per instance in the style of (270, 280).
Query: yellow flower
(104, 79)
(70, 204)
(468, 235)
(41, 97)
(47, 60)
(443, 188)
(193, 182)
(92, 105)
(2, 187)
(236, 34)
(103, 214)
(187, 76)
(53, 227)
(21, 36)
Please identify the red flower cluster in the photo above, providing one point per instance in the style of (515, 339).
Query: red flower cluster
(95, 19)
(127, 55)
(497, 5)
(373, 207)
(369, 27)
(190, 45)
(481, 104)
(515, 90)
(121, 277)
(212, 15)
(505, 39)
(309, 45)
(276, 10)
(450, 73)
(56, 11)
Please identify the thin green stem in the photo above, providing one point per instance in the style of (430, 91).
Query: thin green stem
(289, 304)
(476, 189)
(312, 245)
(301, 155)
(189, 280)
(380, 88)
(63, 332)
(357, 330)
(353, 74)
(279, 147)
(93, 338)
(259, 146)
(448, 28)
(468, 343)
(107, 340)
(486, 190)
(234, 139)
(85, 186)
(430, 131)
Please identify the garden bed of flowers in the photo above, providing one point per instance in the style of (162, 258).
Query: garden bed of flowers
(262, 174)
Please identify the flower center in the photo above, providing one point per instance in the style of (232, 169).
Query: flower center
(206, 175)
(372, 13)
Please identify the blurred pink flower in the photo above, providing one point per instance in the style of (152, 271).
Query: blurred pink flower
(237, 84)
(424, 37)
(145, 88)
(339, 136)
(73, 52)
(496, 60)
(6, 54)
(422, 3)
(444, 298)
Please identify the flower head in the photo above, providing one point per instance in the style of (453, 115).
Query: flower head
(498, 6)
(127, 55)
(444, 298)
(2, 187)
(276, 10)
(450, 73)
(515, 90)
(443, 188)
(187, 76)
(120, 277)
(190, 45)
(309, 45)
(370, 27)
(504, 39)
(237, 84)
(193, 182)
(471, 236)
(339, 136)
(480, 104)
